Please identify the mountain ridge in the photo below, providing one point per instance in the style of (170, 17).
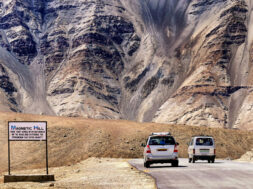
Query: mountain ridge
(178, 62)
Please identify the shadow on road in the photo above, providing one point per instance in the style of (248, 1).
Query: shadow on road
(180, 166)
(207, 163)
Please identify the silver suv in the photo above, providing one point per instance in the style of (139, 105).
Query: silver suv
(201, 148)
(160, 148)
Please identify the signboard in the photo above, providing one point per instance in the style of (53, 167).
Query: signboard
(27, 131)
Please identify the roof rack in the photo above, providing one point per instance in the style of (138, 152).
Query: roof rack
(201, 135)
(161, 133)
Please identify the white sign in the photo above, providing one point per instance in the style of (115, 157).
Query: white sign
(27, 131)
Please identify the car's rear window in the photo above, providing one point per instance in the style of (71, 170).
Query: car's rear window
(204, 141)
(161, 140)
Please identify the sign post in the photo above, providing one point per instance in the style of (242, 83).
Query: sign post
(28, 131)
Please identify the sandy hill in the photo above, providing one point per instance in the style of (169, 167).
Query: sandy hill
(74, 139)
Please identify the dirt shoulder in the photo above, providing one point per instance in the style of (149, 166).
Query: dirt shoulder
(92, 173)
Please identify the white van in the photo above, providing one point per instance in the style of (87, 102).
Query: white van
(201, 148)
(160, 148)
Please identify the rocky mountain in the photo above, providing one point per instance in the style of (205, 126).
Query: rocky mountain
(169, 61)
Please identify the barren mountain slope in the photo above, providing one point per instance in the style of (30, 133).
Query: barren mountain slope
(181, 62)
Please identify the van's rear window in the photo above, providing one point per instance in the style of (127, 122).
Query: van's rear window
(162, 140)
(204, 141)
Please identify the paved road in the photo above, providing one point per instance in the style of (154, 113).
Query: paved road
(220, 175)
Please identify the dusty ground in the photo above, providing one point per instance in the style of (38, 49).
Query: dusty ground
(93, 173)
(72, 140)
(248, 156)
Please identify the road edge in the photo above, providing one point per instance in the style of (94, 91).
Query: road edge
(154, 179)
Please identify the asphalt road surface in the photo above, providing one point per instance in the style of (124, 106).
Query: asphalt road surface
(219, 175)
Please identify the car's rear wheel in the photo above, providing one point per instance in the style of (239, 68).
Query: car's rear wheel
(174, 164)
(146, 164)
(193, 160)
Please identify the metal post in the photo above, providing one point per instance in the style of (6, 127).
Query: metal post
(46, 151)
(9, 159)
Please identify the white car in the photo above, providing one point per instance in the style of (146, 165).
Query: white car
(160, 148)
(201, 148)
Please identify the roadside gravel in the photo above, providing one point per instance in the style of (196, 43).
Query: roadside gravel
(93, 173)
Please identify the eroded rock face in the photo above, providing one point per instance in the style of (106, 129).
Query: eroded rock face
(185, 62)
(8, 92)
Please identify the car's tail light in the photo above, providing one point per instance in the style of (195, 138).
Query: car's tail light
(175, 149)
(193, 151)
(214, 151)
(148, 149)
